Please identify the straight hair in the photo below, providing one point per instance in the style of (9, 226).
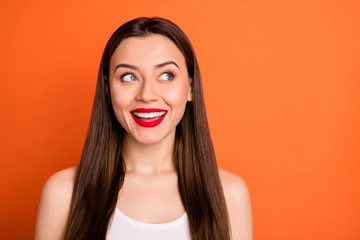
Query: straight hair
(101, 171)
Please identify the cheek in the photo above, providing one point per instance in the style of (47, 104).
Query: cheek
(178, 96)
(120, 101)
(119, 97)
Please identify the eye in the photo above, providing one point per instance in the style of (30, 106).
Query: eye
(128, 77)
(167, 76)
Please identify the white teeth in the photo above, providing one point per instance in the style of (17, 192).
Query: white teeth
(149, 115)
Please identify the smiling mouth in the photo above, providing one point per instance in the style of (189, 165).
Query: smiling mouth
(148, 117)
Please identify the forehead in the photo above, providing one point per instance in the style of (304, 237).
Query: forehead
(147, 51)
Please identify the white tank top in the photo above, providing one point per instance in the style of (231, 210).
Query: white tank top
(123, 227)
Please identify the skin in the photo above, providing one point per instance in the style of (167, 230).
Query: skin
(148, 151)
(150, 192)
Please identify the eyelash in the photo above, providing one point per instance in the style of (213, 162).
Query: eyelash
(127, 73)
(172, 76)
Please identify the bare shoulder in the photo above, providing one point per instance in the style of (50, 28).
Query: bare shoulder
(232, 184)
(61, 182)
(239, 205)
(54, 205)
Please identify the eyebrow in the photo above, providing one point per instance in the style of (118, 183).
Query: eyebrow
(125, 65)
(167, 63)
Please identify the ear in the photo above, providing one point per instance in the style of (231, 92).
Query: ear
(189, 98)
(107, 89)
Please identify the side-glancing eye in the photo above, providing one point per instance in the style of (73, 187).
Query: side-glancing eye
(128, 77)
(167, 76)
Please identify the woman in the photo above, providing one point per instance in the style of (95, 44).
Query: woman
(148, 168)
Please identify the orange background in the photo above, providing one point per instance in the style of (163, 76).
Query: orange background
(282, 88)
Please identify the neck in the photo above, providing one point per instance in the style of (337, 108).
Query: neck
(149, 158)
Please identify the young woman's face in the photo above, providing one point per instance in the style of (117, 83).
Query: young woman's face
(149, 87)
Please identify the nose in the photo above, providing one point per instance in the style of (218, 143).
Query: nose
(147, 92)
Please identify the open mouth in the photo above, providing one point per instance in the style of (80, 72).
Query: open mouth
(148, 117)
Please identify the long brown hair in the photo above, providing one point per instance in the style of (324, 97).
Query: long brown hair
(101, 171)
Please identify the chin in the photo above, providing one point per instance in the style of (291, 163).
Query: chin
(154, 137)
(149, 140)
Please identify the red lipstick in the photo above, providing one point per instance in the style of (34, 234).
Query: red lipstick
(144, 113)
